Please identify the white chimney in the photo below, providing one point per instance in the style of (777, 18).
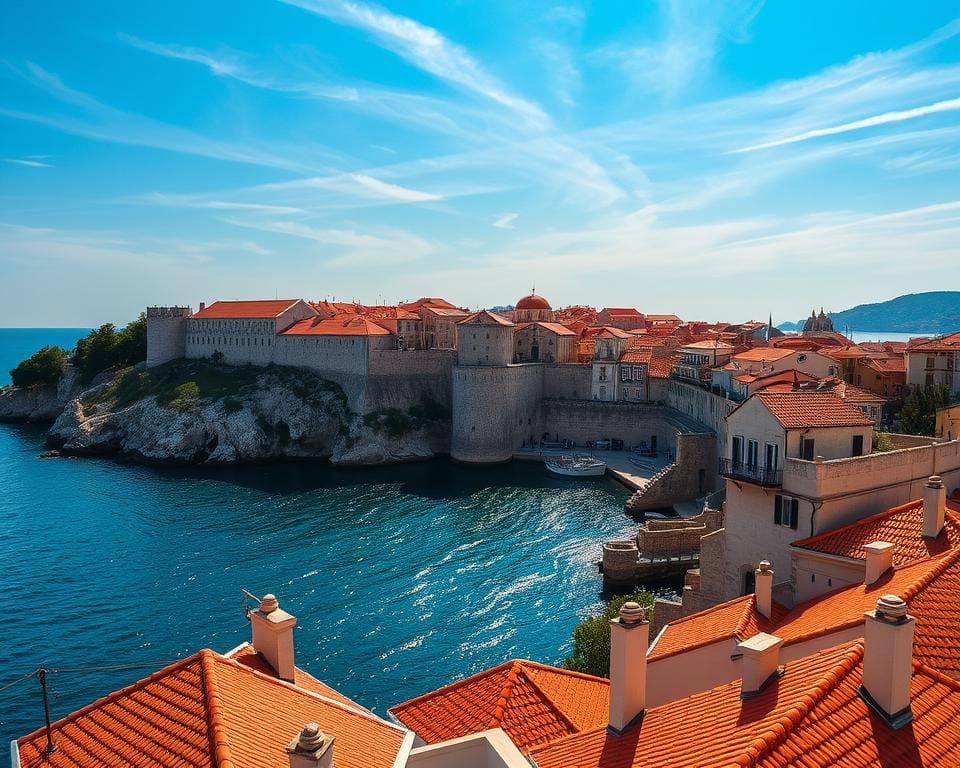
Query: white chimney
(761, 662)
(311, 748)
(273, 636)
(888, 660)
(763, 588)
(879, 560)
(934, 507)
(629, 635)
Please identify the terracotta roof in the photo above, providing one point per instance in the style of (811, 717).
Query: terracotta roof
(636, 356)
(339, 325)
(607, 330)
(533, 703)
(447, 311)
(763, 354)
(799, 410)
(485, 317)
(428, 301)
(209, 711)
(711, 344)
(813, 716)
(245, 310)
(661, 366)
(736, 618)
(532, 302)
(622, 312)
(947, 343)
(557, 328)
(663, 318)
(887, 364)
(902, 526)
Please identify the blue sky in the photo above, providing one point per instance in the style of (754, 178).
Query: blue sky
(714, 159)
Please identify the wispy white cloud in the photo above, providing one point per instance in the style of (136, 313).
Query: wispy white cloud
(193, 201)
(393, 191)
(27, 162)
(897, 116)
(694, 31)
(506, 221)
(427, 49)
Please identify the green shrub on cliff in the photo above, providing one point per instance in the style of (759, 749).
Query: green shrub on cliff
(43, 367)
(591, 637)
(106, 347)
(186, 397)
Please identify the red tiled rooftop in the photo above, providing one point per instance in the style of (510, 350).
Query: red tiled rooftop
(901, 525)
(245, 310)
(622, 312)
(557, 328)
(339, 325)
(763, 354)
(947, 343)
(209, 711)
(800, 410)
(533, 703)
(532, 302)
(485, 317)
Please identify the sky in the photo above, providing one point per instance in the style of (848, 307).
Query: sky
(720, 160)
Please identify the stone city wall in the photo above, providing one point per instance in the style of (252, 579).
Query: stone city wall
(570, 381)
(494, 410)
(585, 420)
(166, 334)
(702, 406)
(400, 379)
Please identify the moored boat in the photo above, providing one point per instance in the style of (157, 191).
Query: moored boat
(576, 466)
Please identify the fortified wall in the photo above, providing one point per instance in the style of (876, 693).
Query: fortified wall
(495, 408)
(166, 334)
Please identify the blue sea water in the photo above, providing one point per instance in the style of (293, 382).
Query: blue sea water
(17, 344)
(401, 578)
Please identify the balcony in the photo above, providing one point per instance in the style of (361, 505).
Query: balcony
(737, 470)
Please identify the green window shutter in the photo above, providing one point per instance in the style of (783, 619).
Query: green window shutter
(794, 513)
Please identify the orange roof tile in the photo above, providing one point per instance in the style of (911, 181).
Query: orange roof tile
(813, 716)
(736, 618)
(763, 354)
(622, 312)
(339, 325)
(485, 317)
(557, 328)
(802, 409)
(533, 703)
(209, 711)
(947, 343)
(712, 728)
(901, 525)
(661, 366)
(245, 310)
(637, 356)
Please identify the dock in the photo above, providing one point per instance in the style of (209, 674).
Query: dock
(619, 466)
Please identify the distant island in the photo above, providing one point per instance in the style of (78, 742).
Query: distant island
(930, 312)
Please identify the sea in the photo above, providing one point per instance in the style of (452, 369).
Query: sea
(402, 578)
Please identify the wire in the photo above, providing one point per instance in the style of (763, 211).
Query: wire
(114, 667)
(19, 680)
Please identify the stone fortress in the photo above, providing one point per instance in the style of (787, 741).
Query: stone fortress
(509, 379)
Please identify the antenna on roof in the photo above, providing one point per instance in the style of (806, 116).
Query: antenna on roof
(42, 677)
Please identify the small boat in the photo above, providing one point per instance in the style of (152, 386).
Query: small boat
(576, 466)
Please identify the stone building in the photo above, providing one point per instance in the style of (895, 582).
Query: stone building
(624, 318)
(533, 308)
(544, 342)
(817, 323)
(935, 361)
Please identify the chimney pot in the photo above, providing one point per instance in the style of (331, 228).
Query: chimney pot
(311, 748)
(763, 588)
(272, 629)
(629, 637)
(879, 560)
(934, 506)
(888, 660)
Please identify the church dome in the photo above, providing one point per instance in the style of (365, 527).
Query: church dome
(533, 302)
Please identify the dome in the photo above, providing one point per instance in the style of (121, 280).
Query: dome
(532, 302)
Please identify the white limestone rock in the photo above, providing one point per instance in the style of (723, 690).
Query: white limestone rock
(39, 403)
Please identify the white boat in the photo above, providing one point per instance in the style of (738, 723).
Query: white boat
(576, 466)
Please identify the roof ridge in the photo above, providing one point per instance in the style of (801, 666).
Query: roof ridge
(856, 523)
(778, 732)
(564, 671)
(453, 685)
(549, 701)
(117, 694)
(711, 609)
(219, 743)
(500, 708)
(926, 579)
(745, 618)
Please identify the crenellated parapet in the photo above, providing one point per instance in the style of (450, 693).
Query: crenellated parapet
(166, 334)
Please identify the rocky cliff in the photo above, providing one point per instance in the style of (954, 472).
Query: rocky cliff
(40, 403)
(193, 412)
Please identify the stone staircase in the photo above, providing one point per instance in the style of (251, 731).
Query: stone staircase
(652, 494)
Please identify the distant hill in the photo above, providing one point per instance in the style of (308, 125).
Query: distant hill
(931, 312)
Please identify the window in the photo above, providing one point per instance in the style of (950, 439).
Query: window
(625, 373)
(806, 448)
(753, 450)
(857, 446)
(737, 450)
(786, 511)
(603, 373)
(771, 456)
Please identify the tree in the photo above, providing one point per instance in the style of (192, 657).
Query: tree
(591, 637)
(43, 367)
(106, 347)
(919, 413)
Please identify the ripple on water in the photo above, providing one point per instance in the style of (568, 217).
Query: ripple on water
(402, 578)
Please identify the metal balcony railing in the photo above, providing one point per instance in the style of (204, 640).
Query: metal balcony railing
(738, 470)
